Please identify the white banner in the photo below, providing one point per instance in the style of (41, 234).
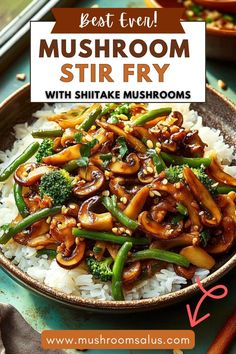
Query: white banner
(177, 75)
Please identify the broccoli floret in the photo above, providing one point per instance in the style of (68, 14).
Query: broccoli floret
(175, 174)
(45, 149)
(100, 269)
(56, 185)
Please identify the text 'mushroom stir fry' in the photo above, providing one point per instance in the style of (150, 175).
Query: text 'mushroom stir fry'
(123, 192)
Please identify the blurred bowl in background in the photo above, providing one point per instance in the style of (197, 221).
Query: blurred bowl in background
(220, 43)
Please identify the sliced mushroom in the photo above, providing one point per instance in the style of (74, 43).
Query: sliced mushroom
(131, 140)
(96, 160)
(217, 173)
(71, 114)
(61, 230)
(161, 231)
(136, 204)
(92, 180)
(103, 137)
(227, 203)
(185, 239)
(145, 134)
(71, 210)
(181, 195)
(92, 221)
(198, 257)
(225, 241)
(30, 173)
(204, 197)
(68, 154)
(119, 187)
(178, 118)
(40, 241)
(38, 228)
(193, 144)
(68, 137)
(113, 249)
(131, 272)
(70, 121)
(187, 273)
(74, 259)
(129, 167)
(147, 171)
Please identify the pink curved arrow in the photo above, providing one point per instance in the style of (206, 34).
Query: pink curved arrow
(193, 318)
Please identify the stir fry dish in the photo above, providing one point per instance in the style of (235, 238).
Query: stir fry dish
(123, 192)
(213, 18)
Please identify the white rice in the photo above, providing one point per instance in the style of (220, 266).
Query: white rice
(78, 281)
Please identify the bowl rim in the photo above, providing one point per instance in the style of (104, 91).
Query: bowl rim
(211, 31)
(100, 305)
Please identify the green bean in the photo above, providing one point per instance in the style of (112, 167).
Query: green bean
(71, 165)
(160, 255)
(225, 189)
(111, 205)
(190, 161)
(25, 156)
(20, 203)
(109, 237)
(117, 271)
(90, 119)
(42, 134)
(155, 113)
(157, 160)
(49, 252)
(29, 220)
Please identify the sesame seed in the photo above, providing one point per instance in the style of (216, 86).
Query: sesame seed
(158, 150)
(79, 225)
(113, 159)
(114, 230)
(157, 193)
(122, 117)
(149, 144)
(128, 128)
(106, 193)
(72, 206)
(145, 171)
(122, 229)
(195, 241)
(151, 194)
(48, 220)
(93, 127)
(128, 232)
(150, 169)
(222, 84)
(59, 226)
(124, 200)
(164, 181)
